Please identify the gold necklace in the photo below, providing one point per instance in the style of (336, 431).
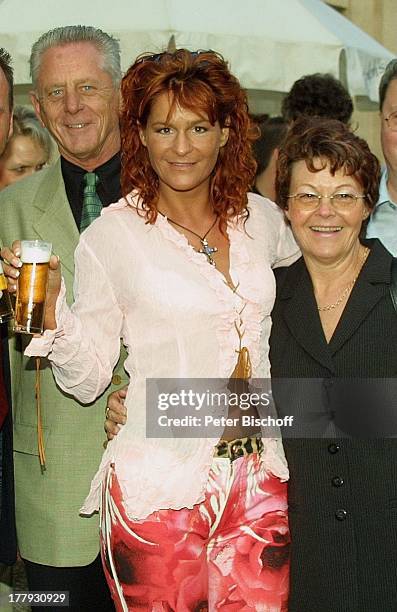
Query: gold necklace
(206, 249)
(349, 287)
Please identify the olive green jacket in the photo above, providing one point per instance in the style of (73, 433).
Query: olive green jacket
(49, 528)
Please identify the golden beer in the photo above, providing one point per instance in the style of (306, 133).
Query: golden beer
(32, 287)
(6, 311)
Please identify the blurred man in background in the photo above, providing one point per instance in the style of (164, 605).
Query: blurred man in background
(7, 519)
(272, 133)
(318, 94)
(383, 221)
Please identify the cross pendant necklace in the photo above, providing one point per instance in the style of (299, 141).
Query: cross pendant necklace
(206, 249)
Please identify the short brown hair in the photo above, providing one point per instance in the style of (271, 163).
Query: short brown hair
(198, 81)
(317, 94)
(334, 143)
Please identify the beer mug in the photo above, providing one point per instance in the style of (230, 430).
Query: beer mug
(32, 286)
(6, 312)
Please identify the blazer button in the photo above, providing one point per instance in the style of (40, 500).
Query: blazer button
(333, 448)
(341, 515)
(116, 379)
(337, 481)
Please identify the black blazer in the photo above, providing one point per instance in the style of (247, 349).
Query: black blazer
(342, 491)
(8, 545)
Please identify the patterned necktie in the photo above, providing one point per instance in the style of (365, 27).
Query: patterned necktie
(92, 205)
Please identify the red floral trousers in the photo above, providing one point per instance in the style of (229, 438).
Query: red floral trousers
(230, 552)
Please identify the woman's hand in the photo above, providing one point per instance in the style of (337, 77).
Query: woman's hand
(116, 413)
(11, 267)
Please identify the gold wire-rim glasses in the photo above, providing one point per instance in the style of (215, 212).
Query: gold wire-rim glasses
(340, 201)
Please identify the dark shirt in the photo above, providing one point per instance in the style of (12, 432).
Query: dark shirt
(108, 187)
(255, 190)
(8, 547)
(3, 397)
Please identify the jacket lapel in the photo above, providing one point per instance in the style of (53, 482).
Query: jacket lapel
(371, 286)
(54, 220)
(301, 316)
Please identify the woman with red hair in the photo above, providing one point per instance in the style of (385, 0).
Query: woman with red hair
(180, 269)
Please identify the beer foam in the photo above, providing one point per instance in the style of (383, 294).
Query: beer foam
(34, 251)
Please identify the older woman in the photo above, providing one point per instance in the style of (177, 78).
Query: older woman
(28, 150)
(180, 269)
(334, 323)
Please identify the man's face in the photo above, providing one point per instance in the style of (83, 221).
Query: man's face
(78, 103)
(388, 137)
(5, 113)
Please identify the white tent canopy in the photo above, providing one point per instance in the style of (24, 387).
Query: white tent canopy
(269, 43)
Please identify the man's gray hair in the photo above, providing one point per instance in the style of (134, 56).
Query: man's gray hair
(105, 43)
(390, 74)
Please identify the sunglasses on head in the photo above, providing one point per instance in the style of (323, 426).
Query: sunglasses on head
(156, 57)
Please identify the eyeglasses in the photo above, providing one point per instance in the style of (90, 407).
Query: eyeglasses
(341, 201)
(156, 57)
(391, 121)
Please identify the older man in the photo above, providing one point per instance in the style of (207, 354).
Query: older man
(383, 221)
(75, 73)
(7, 522)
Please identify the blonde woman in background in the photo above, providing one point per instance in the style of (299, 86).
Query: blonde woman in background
(28, 150)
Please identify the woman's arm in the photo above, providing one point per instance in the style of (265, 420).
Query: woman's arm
(82, 342)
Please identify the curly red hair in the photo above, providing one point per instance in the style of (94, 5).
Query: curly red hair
(197, 81)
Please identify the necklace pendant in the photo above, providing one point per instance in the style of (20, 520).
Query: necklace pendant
(208, 251)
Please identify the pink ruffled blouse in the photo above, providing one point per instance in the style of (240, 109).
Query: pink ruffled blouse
(176, 315)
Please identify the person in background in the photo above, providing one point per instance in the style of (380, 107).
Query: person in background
(7, 516)
(272, 132)
(383, 221)
(333, 351)
(317, 94)
(28, 150)
(76, 76)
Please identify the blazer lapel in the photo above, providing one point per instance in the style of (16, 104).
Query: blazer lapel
(54, 220)
(301, 316)
(371, 286)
